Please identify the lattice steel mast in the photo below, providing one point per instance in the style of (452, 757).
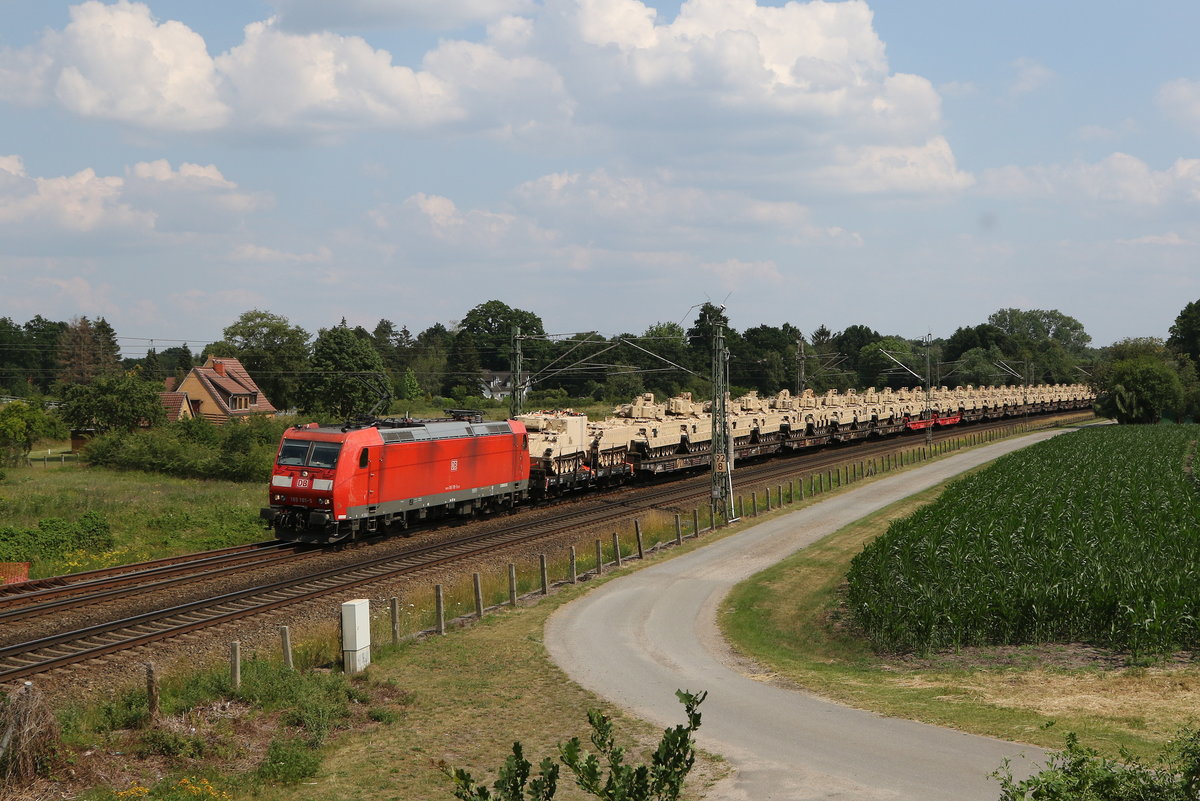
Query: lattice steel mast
(722, 443)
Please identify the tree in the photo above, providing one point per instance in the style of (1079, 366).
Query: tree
(851, 342)
(464, 367)
(86, 350)
(984, 335)
(490, 326)
(605, 776)
(1185, 332)
(977, 367)
(410, 388)
(106, 345)
(41, 337)
(700, 337)
(875, 369)
(765, 357)
(273, 351)
(113, 403)
(177, 361)
(1049, 343)
(428, 359)
(22, 423)
(330, 389)
(1140, 382)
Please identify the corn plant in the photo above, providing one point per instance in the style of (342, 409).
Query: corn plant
(1089, 537)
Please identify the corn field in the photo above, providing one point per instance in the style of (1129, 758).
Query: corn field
(1089, 537)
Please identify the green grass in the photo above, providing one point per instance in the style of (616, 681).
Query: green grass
(149, 515)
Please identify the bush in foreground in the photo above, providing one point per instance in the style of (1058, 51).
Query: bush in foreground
(661, 780)
(1078, 773)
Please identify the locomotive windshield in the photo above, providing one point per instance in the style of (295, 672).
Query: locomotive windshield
(306, 453)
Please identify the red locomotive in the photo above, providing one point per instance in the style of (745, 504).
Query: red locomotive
(331, 482)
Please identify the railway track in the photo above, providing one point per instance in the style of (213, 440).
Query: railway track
(22, 660)
(97, 586)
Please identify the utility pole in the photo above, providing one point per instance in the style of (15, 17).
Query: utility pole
(928, 393)
(801, 378)
(722, 443)
(514, 363)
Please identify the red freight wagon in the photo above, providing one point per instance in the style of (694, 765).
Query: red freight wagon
(330, 483)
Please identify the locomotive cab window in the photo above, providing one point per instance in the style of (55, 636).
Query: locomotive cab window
(293, 452)
(364, 457)
(324, 454)
(300, 452)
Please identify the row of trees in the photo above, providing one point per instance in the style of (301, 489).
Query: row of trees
(297, 370)
(79, 362)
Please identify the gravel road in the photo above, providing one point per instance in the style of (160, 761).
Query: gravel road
(638, 638)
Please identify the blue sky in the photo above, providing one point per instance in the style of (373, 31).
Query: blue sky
(607, 164)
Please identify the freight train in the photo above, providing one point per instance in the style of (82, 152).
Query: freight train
(330, 483)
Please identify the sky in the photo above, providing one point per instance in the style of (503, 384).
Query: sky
(908, 165)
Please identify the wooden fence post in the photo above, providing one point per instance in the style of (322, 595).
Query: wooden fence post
(478, 595)
(678, 531)
(696, 522)
(512, 584)
(617, 548)
(637, 533)
(574, 569)
(439, 607)
(152, 693)
(545, 574)
(599, 558)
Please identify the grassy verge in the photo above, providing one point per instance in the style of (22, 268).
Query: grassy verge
(787, 618)
(149, 515)
(461, 699)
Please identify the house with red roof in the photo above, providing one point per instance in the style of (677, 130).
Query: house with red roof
(221, 390)
(176, 405)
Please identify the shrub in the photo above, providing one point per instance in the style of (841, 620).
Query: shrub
(238, 451)
(54, 537)
(1078, 773)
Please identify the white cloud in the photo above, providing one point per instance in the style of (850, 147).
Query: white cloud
(1180, 99)
(310, 15)
(627, 209)
(736, 274)
(117, 62)
(1169, 239)
(784, 81)
(1030, 76)
(81, 293)
(1102, 133)
(1118, 178)
(258, 253)
(877, 169)
(78, 203)
(327, 82)
(152, 197)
